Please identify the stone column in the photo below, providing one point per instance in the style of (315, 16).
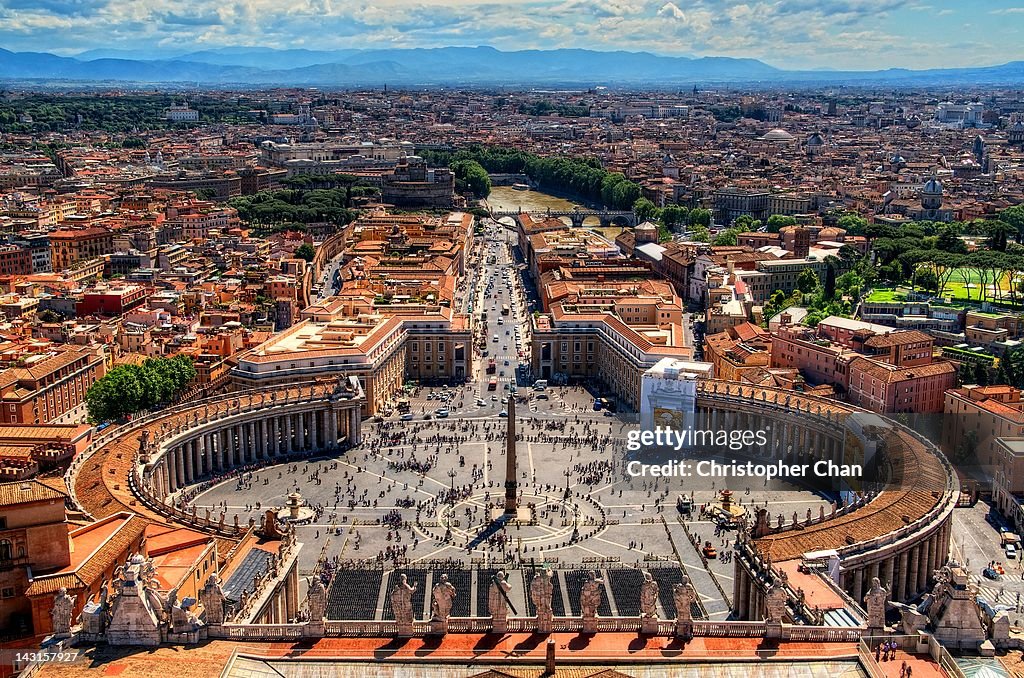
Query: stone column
(201, 452)
(300, 430)
(858, 584)
(933, 553)
(186, 448)
(314, 425)
(332, 427)
(744, 597)
(901, 576)
(887, 573)
(253, 441)
(263, 439)
(289, 424)
(915, 556)
(179, 464)
(354, 434)
(922, 567)
(225, 450)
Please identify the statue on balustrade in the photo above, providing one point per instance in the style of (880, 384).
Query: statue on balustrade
(875, 604)
(541, 590)
(442, 597)
(498, 602)
(316, 599)
(590, 594)
(144, 447)
(401, 600)
(684, 595)
(63, 608)
(212, 597)
(775, 602)
(649, 597)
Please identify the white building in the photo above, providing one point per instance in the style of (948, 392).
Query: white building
(181, 113)
(668, 393)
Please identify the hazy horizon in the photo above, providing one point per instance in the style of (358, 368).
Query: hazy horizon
(792, 35)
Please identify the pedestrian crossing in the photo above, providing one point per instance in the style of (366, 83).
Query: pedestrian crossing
(995, 594)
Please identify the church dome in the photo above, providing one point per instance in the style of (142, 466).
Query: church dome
(777, 134)
(933, 185)
(815, 140)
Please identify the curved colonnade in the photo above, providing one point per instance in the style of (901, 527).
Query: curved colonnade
(900, 534)
(139, 466)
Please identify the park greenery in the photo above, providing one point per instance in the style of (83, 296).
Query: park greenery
(472, 177)
(583, 178)
(547, 107)
(307, 200)
(120, 114)
(128, 389)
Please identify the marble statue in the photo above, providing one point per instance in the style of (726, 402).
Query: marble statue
(63, 609)
(591, 594)
(684, 595)
(441, 598)
(316, 599)
(775, 602)
(401, 600)
(875, 603)
(541, 590)
(649, 596)
(497, 596)
(212, 597)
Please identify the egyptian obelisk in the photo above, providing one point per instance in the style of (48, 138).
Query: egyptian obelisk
(511, 472)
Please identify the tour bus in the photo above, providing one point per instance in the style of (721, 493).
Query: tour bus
(504, 309)
(492, 385)
(540, 384)
(491, 366)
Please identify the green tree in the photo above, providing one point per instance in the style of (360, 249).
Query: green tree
(853, 224)
(305, 251)
(807, 281)
(673, 216)
(776, 222)
(965, 375)
(645, 210)
(470, 175)
(128, 389)
(981, 374)
(999, 234)
(726, 238)
(700, 217)
(1015, 217)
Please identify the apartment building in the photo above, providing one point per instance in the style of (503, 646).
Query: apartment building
(71, 245)
(48, 385)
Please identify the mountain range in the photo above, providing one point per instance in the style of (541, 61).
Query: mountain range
(465, 66)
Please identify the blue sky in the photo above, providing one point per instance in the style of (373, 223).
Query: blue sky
(846, 34)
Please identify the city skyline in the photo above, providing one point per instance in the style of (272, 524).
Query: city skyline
(809, 34)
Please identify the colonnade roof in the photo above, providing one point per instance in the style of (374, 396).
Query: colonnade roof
(101, 485)
(920, 488)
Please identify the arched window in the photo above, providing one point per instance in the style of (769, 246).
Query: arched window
(6, 550)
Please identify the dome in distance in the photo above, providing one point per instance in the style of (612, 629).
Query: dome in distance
(933, 185)
(777, 134)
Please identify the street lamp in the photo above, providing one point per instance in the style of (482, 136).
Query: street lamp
(567, 473)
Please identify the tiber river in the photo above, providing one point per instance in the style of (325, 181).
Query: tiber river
(508, 199)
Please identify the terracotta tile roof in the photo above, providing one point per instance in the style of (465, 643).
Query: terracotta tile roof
(922, 474)
(12, 494)
(898, 339)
